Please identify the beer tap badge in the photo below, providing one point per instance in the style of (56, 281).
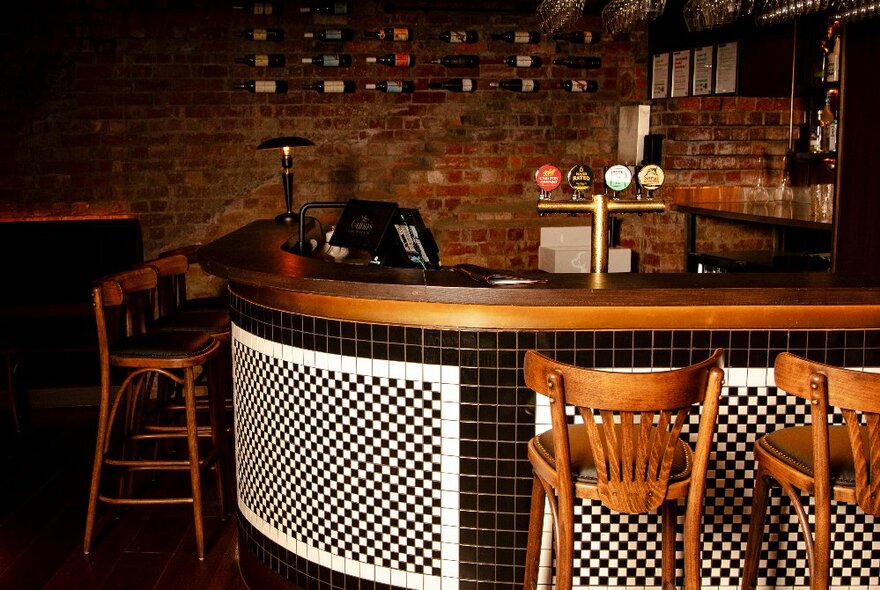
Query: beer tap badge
(580, 177)
(651, 177)
(548, 178)
(618, 177)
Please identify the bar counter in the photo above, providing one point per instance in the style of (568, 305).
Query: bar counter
(381, 417)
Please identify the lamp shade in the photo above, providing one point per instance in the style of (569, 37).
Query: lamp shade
(280, 142)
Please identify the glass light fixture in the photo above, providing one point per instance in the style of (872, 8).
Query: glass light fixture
(286, 145)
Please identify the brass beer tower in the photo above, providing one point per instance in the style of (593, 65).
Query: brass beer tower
(601, 206)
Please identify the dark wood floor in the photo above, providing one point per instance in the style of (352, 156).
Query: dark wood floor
(44, 477)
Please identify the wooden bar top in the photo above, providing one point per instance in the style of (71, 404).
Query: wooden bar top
(253, 261)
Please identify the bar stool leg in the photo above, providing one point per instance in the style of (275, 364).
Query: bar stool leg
(536, 523)
(667, 544)
(756, 531)
(103, 416)
(194, 465)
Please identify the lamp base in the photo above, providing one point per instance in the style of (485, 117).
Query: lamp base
(288, 218)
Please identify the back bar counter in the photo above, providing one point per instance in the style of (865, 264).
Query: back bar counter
(381, 417)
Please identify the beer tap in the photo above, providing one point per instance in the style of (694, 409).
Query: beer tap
(601, 207)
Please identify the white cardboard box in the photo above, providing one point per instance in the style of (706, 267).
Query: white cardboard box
(567, 249)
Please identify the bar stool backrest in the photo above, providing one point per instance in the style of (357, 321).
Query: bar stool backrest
(648, 410)
(124, 303)
(171, 288)
(857, 395)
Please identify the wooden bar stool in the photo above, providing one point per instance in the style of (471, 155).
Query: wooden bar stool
(11, 356)
(638, 466)
(128, 441)
(832, 462)
(175, 286)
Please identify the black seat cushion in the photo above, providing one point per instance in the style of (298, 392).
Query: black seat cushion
(211, 322)
(583, 466)
(159, 345)
(794, 447)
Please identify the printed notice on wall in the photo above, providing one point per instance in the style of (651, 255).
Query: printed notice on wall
(725, 68)
(660, 76)
(703, 71)
(681, 70)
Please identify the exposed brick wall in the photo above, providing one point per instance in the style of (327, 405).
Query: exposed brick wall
(129, 106)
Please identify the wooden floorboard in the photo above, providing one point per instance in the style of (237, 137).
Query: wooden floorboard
(44, 475)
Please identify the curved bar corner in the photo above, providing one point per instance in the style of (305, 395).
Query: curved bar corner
(381, 417)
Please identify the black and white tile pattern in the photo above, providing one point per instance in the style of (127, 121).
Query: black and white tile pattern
(349, 462)
(483, 458)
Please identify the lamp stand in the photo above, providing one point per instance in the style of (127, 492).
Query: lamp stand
(287, 181)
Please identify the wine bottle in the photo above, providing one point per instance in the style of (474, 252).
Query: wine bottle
(580, 85)
(455, 85)
(584, 37)
(517, 85)
(524, 61)
(266, 8)
(327, 8)
(458, 61)
(333, 60)
(832, 63)
(518, 37)
(331, 35)
(400, 60)
(389, 34)
(588, 63)
(331, 86)
(393, 86)
(263, 86)
(271, 60)
(828, 122)
(459, 36)
(263, 34)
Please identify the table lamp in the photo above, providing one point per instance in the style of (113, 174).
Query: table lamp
(286, 145)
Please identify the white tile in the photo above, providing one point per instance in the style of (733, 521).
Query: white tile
(397, 370)
(450, 374)
(431, 373)
(380, 368)
(364, 366)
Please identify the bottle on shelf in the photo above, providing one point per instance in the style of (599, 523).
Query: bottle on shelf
(393, 86)
(331, 35)
(583, 37)
(524, 61)
(579, 85)
(263, 86)
(332, 60)
(458, 61)
(390, 34)
(828, 121)
(271, 60)
(459, 36)
(455, 85)
(832, 61)
(584, 62)
(517, 85)
(327, 8)
(331, 86)
(819, 61)
(259, 34)
(266, 8)
(399, 60)
(816, 131)
(530, 37)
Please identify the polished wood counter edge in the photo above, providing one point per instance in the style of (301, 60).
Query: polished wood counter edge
(792, 214)
(252, 260)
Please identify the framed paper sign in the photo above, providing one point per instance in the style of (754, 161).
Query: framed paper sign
(660, 76)
(703, 77)
(725, 68)
(681, 71)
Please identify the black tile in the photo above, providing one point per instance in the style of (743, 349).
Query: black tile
(584, 340)
(469, 358)
(468, 339)
(604, 340)
(413, 336)
(643, 339)
(681, 339)
(739, 339)
(623, 339)
(565, 341)
(507, 340)
(546, 341)
(380, 332)
(662, 339)
(488, 340)
(449, 339)
(855, 338)
(527, 340)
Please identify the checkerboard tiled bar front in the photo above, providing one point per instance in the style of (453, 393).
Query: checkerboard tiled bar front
(380, 441)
